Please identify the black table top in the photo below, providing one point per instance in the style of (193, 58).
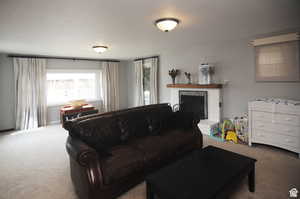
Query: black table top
(204, 172)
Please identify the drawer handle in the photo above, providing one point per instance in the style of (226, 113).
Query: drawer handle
(288, 130)
(288, 119)
(260, 135)
(261, 125)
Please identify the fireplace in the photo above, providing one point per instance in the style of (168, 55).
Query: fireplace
(210, 98)
(195, 102)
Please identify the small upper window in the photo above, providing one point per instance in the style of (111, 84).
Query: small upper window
(65, 86)
(277, 58)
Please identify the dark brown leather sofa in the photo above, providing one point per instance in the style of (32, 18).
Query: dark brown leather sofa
(112, 152)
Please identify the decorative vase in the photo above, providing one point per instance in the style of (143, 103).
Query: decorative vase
(173, 79)
(206, 72)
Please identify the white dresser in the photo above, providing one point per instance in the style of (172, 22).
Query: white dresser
(276, 124)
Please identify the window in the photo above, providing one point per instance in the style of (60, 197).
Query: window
(277, 58)
(146, 83)
(145, 71)
(66, 85)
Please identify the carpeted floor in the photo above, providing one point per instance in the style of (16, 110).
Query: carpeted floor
(34, 165)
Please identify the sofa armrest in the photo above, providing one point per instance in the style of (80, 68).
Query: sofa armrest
(87, 160)
(80, 151)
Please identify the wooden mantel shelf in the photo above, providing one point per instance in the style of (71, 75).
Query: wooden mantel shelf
(194, 85)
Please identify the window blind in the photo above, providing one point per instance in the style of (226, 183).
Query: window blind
(278, 61)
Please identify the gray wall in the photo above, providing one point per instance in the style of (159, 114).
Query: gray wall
(6, 93)
(7, 120)
(234, 61)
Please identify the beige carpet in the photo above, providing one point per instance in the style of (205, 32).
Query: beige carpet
(34, 165)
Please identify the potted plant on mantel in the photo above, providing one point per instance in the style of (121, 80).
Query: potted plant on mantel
(188, 77)
(173, 73)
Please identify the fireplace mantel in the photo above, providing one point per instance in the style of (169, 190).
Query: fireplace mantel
(194, 86)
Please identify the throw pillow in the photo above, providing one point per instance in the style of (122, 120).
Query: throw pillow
(154, 125)
(124, 128)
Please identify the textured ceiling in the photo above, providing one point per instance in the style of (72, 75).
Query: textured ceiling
(72, 27)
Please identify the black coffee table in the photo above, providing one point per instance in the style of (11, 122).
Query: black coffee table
(205, 173)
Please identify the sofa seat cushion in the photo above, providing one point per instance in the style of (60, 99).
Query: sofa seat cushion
(179, 140)
(152, 147)
(124, 160)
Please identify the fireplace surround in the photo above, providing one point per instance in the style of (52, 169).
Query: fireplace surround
(214, 100)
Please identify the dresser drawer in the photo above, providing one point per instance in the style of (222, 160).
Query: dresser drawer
(264, 116)
(276, 118)
(273, 107)
(289, 109)
(287, 119)
(261, 106)
(275, 139)
(277, 128)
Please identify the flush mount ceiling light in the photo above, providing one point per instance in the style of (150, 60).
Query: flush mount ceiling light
(100, 49)
(166, 24)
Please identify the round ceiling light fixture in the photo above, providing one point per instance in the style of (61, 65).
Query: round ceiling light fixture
(166, 24)
(100, 49)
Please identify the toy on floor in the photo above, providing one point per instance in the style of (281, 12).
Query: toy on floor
(216, 132)
(227, 126)
(241, 128)
(231, 136)
(228, 131)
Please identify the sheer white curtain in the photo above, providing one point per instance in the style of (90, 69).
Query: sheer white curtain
(148, 68)
(153, 79)
(139, 90)
(110, 85)
(30, 92)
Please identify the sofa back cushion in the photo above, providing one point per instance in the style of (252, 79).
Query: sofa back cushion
(100, 133)
(157, 119)
(107, 130)
(132, 123)
(147, 120)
